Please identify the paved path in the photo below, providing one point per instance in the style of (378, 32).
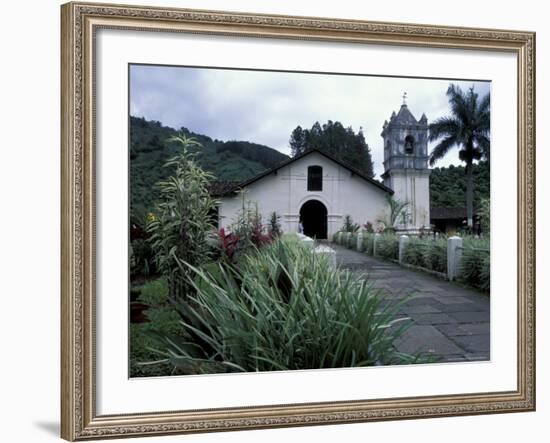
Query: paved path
(450, 321)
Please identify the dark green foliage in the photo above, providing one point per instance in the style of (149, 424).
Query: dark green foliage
(163, 319)
(476, 260)
(426, 253)
(150, 150)
(239, 318)
(141, 259)
(435, 255)
(336, 140)
(448, 185)
(387, 246)
(414, 252)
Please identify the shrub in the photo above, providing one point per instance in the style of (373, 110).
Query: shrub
(387, 246)
(247, 231)
(352, 241)
(435, 255)
(154, 292)
(476, 260)
(141, 259)
(163, 320)
(283, 308)
(426, 253)
(413, 253)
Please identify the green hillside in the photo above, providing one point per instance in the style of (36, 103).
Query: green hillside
(231, 160)
(448, 185)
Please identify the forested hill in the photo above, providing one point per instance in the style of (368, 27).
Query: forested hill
(448, 185)
(149, 151)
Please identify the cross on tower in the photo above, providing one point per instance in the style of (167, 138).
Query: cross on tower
(404, 98)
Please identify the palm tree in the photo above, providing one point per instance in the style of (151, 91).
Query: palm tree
(468, 129)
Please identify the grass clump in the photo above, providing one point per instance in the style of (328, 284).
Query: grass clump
(476, 263)
(387, 246)
(282, 308)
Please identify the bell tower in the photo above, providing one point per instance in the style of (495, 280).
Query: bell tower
(406, 165)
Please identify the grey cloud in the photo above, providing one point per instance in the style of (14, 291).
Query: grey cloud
(264, 107)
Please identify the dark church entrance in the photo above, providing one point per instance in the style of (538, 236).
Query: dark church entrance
(313, 215)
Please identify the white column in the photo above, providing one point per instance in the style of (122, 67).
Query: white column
(327, 252)
(359, 245)
(376, 237)
(403, 240)
(454, 257)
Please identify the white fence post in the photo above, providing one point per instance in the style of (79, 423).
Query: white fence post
(359, 245)
(327, 252)
(375, 241)
(454, 257)
(402, 244)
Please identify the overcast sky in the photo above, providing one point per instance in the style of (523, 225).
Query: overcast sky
(264, 107)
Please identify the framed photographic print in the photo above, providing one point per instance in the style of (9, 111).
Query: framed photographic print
(282, 221)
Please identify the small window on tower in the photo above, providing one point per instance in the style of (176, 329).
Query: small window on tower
(409, 144)
(315, 178)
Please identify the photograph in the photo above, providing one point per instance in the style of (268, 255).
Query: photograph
(295, 220)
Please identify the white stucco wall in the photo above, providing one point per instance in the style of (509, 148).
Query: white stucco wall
(413, 187)
(286, 191)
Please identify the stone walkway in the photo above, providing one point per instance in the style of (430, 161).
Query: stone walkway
(450, 321)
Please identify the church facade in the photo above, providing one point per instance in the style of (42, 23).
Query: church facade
(314, 191)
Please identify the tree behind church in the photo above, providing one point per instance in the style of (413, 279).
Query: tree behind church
(336, 140)
(468, 128)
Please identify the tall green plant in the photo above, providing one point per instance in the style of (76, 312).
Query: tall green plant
(183, 222)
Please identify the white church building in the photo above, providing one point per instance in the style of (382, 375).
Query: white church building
(318, 191)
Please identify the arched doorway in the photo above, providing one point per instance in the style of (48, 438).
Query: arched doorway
(313, 215)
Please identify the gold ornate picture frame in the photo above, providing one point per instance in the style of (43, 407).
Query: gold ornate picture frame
(80, 23)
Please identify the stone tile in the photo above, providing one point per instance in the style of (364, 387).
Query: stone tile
(450, 330)
(471, 317)
(465, 307)
(420, 301)
(432, 319)
(426, 338)
(454, 358)
(474, 343)
(419, 309)
(478, 356)
(454, 300)
(458, 329)
(476, 328)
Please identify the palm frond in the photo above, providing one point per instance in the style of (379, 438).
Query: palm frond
(460, 106)
(442, 148)
(444, 127)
